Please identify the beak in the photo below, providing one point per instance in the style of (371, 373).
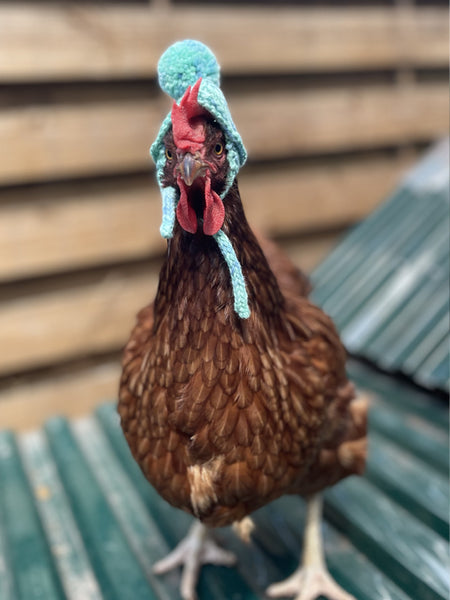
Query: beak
(190, 168)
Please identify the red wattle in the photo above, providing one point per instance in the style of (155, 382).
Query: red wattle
(214, 213)
(185, 213)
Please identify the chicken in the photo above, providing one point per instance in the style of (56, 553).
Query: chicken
(233, 389)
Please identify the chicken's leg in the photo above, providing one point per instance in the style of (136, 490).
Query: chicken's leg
(195, 550)
(312, 578)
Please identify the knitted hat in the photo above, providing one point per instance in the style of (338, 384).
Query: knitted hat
(183, 65)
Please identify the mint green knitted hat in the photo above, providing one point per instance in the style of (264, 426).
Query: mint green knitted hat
(181, 66)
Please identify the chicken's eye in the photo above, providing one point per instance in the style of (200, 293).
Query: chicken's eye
(218, 149)
(169, 154)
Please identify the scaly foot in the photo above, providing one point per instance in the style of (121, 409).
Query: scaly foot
(308, 583)
(311, 579)
(195, 550)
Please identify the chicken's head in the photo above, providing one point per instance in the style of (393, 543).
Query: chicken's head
(196, 164)
(198, 153)
(198, 150)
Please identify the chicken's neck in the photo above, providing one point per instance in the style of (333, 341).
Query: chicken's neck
(195, 277)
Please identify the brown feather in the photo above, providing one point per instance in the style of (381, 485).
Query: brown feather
(224, 415)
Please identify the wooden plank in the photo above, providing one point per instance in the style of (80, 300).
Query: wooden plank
(56, 141)
(325, 194)
(51, 42)
(29, 401)
(87, 317)
(77, 225)
(309, 250)
(75, 390)
(94, 312)
(67, 140)
(327, 120)
(70, 42)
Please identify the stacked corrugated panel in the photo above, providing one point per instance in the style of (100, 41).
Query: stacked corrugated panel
(78, 521)
(386, 285)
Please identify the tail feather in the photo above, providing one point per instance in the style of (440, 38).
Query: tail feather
(348, 456)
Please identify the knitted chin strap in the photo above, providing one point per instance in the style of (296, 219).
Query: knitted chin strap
(237, 278)
(180, 67)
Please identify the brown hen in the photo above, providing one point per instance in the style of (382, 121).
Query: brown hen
(224, 414)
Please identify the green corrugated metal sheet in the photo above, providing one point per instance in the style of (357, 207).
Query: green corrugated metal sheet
(79, 522)
(386, 285)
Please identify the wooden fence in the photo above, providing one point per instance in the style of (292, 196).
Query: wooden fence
(332, 104)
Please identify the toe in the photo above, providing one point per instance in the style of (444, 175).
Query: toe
(287, 588)
(215, 555)
(333, 591)
(168, 563)
(308, 584)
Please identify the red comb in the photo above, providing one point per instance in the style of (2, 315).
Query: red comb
(188, 128)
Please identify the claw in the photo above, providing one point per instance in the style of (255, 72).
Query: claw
(308, 583)
(195, 550)
(312, 578)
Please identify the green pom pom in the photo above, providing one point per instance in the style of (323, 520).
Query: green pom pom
(183, 63)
